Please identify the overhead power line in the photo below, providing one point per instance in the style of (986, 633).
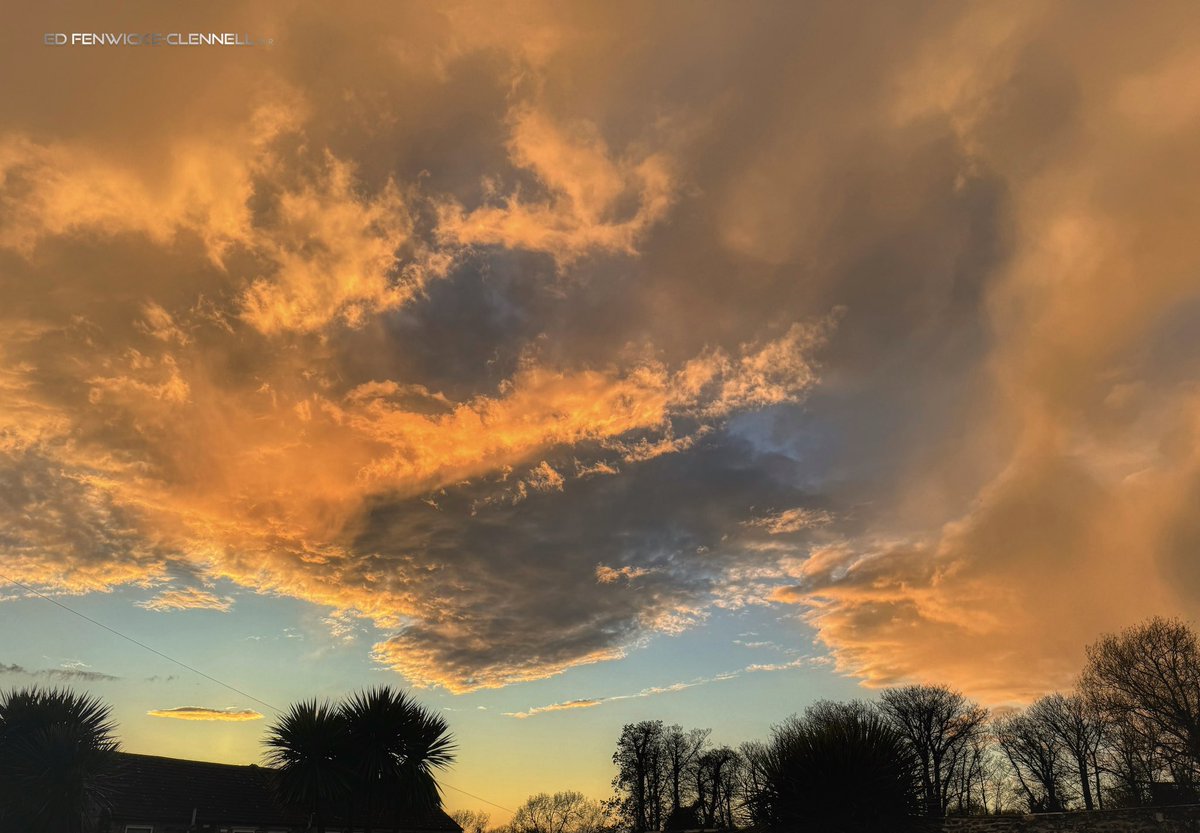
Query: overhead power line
(193, 669)
(155, 651)
(477, 798)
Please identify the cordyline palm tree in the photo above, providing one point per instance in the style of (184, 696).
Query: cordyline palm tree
(56, 750)
(307, 748)
(395, 745)
(838, 771)
(380, 747)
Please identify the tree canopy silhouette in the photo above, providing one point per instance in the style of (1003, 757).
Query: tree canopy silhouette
(1144, 682)
(940, 726)
(839, 771)
(378, 750)
(307, 746)
(562, 812)
(56, 748)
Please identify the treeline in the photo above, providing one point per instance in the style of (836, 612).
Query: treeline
(1127, 735)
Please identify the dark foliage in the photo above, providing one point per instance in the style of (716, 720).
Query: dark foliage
(839, 772)
(378, 751)
(684, 818)
(1144, 683)
(394, 746)
(307, 747)
(56, 751)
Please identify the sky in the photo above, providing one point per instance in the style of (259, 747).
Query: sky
(578, 364)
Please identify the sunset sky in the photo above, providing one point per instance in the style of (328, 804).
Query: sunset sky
(583, 363)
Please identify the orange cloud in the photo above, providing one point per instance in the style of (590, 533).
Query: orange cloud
(202, 713)
(585, 185)
(334, 255)
(792, 520)
(338, 334)
(1082, 463)
(556, 707)
(607, 575)
(58, 189)
(427, 666)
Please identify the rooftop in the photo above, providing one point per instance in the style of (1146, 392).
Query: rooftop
(168, 790)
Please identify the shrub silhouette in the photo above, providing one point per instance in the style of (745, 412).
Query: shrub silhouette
(56, 751)
(842, 771)
(377, 751)
(307, 748)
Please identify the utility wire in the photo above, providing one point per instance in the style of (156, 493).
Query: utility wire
(477, 798)
(194, 670)
(139, 644)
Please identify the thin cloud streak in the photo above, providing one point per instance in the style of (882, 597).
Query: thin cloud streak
(81, 675)
(188, 598)
(206, 714)
(588, 703)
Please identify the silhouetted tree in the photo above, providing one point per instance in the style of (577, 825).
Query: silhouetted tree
(685, 818)
(56, 749)
(823, 711)
(1146, 679)
(640, 775)
(1079, 728)
(940, 725)
(562, 812)
(998, 790)
(968, 789)
(680, 750)
(394, 746)
(840, 772)
(471, 821)
(716, 774)
(1037, 758)
(755, 783)
(307, 746)
(1130, 756)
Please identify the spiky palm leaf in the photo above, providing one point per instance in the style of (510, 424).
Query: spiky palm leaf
(56, 751)
(397, 745)
(307, 748)
(428, 746)
(840, 773)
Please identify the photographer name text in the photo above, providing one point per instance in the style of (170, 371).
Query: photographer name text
(154, 39)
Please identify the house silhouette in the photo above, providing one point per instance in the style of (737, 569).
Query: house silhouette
(150, 794)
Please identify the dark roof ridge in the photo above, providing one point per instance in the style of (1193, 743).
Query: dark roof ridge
(166, 789)
(192, 761)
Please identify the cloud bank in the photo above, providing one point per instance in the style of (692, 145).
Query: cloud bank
(526, 332)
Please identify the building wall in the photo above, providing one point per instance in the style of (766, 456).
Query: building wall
(1180, 819)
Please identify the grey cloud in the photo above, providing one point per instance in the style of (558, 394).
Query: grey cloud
(58, 674)
(57, 529)
(511, 589)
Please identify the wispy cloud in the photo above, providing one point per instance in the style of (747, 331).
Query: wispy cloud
(59, 674)
(188, 598)
(344, 625)
(566, 705)
(585, 183)
(607, 575)
(792, 520)
(654, 691)
(202, 713)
